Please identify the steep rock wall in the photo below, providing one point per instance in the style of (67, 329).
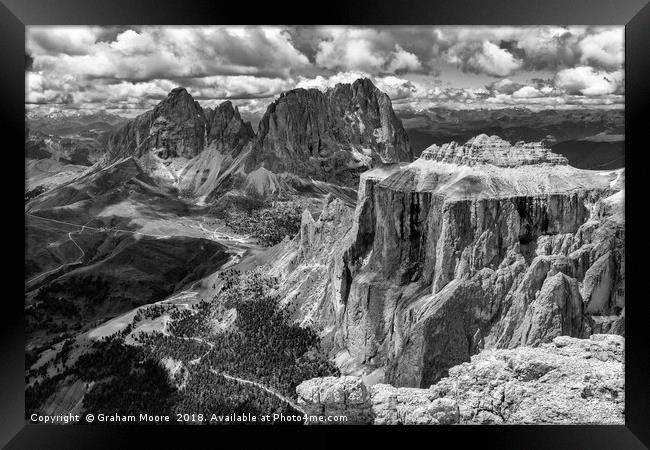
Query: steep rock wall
(429, 274)
(330, 135)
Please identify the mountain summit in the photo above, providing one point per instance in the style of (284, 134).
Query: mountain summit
(175, 127)
(317, 134)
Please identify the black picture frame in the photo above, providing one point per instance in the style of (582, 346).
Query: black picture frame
(634, 14)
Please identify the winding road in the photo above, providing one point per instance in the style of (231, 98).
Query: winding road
(214, 235)
(271, 391)
(102, 229)
(78, 260)
(227, 376)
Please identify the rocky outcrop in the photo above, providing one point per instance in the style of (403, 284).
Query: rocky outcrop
(378, 404)
(227, 129)
(566, 381)
(484, 149)
(228, 140)
(443, 260)
(331, 135)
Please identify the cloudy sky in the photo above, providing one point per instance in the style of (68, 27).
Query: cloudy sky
(129, 69)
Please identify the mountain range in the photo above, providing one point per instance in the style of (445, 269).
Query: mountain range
(384, 267)
(327, 136)
(566, 130)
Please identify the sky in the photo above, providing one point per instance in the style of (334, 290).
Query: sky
(129, 69)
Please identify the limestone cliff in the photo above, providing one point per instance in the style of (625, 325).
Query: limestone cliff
(442, 260)
(567, 381)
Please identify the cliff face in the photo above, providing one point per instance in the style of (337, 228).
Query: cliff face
(567, 381)
(330, 135)
(443, 260)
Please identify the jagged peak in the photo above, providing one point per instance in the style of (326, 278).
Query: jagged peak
(229, 109)
(226, 105)
(484, 149)
(178, 91)
(179, 96)
(360, 84)
(364, 83)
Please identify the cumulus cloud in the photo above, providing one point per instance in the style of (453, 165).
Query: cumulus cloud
(526, 92)
(403, 61)
(395, 87)
(363, 49)
(487, 58)
(504, 86)
(528, 48)
(240, 87)
(167, 52)
(132, 68)
(323, 83)
(493, 60)
(603, 49)
(584, 80)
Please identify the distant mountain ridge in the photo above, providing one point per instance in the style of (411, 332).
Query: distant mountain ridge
(441, 125)
(63, 123)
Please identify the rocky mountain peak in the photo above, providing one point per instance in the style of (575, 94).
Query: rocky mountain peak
(361, 88)
(178, 105)
(327, 135)
(493, 150)
(227, 128)
(175, 127)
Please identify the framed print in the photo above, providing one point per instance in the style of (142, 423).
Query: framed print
(415, 217)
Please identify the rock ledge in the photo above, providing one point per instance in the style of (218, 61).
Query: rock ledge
(568, 381)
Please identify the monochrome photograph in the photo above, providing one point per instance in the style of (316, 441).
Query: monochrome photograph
(324, 225)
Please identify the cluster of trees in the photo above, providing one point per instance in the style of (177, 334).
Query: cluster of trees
(62, 355)
(127, 380)
(265, 347)
(268, 222)
(208, 393)
(46, 316)
(162, 346)
(151, 312)
(240, 287)
(39, 392)
(189, 323)
(58, 302)
(32, 193)
(93, 289)
(264, 344)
